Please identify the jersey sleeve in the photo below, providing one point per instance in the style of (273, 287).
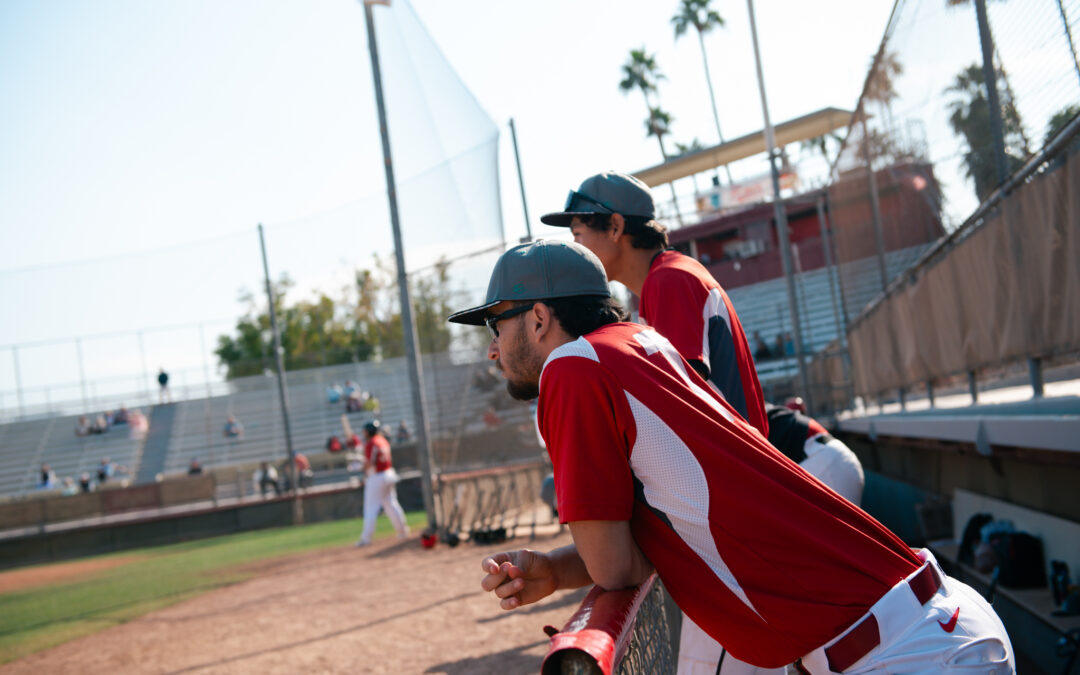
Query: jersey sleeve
(677, 313)
(588, 428)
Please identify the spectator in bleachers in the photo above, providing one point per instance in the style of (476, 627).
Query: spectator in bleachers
(355, 400)
(138, 425)
(84, 482)
(266, 476)
(333, 444)
(100, 426)
(194, 467)
(778, 349)
(303, 471)
(108, 469)
(789, 345)
(121, 416)
(761, 350)
(333, 394)
(48, 478)
(403, 434)
(163, 382)
(82, 427)
(233, 429)
(69, 487)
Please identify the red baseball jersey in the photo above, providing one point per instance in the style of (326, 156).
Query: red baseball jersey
(380, 448)
(761, 555)
(682, 301)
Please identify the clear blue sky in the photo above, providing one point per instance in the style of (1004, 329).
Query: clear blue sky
(143, 141)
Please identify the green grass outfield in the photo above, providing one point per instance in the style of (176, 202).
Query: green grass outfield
(44, 616)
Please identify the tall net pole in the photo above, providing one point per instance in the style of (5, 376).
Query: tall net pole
(279, 366)
(412, 348)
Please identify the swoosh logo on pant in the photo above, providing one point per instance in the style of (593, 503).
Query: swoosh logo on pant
(949, 625)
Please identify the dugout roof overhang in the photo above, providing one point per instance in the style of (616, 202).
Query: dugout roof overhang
(799, 129)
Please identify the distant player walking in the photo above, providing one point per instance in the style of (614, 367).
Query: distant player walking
(380, 486)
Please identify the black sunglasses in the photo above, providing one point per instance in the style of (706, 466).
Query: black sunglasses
(575, 195)
(493, 320)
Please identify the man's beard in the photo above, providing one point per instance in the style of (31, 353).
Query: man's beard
(527, 365)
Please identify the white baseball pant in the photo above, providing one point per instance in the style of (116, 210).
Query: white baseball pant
(380, 492)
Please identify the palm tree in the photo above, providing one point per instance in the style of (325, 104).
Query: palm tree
(703, 18)
(659, 124)
(642, 73)
(821, 145)
(970, 118)
(686, 149)
(881, 85)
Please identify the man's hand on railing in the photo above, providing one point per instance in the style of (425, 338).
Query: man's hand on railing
(522, 577)
(519, 577)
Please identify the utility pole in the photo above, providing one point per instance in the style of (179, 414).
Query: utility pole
(780, 215)
(412, 348)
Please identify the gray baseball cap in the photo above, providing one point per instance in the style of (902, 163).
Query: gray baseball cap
(537, 271)
(608, 192)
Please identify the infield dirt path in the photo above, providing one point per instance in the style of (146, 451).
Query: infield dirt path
(389, 608)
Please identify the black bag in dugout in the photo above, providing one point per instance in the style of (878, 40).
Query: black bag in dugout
(1020, 558)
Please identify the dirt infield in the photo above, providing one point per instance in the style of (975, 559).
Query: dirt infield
(390, 608)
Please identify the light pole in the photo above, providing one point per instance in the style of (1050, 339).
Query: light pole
(780, 215)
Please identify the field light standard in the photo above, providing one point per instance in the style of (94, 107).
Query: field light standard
(412, 349)
(781, 216)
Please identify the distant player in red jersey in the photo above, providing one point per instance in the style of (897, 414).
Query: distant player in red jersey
(613, 215)
(653, 469)
(380, 491)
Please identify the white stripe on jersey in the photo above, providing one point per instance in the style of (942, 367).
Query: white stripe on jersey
(660, 458)
(655, 342)
(714, 306)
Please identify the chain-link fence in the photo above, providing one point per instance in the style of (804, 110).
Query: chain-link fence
(929, 142)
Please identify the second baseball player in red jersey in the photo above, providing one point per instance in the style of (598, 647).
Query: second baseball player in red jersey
(613, 215)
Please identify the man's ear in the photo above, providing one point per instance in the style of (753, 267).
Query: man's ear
(618, 226)
(538, 322)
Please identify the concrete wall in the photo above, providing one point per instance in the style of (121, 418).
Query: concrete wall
(161, 530)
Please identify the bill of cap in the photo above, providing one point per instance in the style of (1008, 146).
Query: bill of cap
(564, 218)
(474, 316)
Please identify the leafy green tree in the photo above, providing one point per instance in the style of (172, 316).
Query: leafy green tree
(1059, 120)
(970, 118)
(703, 18)
(364, 323)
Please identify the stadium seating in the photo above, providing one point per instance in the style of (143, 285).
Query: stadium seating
(455, 406)
(763, 307)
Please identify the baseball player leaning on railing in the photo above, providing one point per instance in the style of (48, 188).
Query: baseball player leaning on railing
(654, 469)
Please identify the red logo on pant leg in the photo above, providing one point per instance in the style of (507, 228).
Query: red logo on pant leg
(949, 625)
